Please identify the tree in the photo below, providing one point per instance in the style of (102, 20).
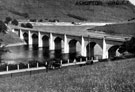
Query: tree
(29, 25)
(33, 20)
(40, 20)
(3, 27)
(128, 46)
(8, 19)
(23, 25)
(15, 22)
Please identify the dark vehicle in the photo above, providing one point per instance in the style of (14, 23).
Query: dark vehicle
(89, 62)
(53, 64)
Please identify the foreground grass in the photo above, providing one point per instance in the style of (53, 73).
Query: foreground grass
(115, 76)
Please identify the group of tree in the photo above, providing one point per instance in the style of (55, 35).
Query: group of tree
(12, 21)
(35, 20)
(27, 25)
(42, 20)
(128, 46)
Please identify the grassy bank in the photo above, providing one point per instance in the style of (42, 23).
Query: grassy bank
(10, 38)
(115, 76)
(123, 28)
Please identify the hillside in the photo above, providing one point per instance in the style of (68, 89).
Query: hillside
(10, 38)
(122, 28)
(65, 10)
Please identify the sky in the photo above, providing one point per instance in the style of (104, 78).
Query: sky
(132, 1)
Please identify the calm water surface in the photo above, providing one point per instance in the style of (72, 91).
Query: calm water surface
(26, 53)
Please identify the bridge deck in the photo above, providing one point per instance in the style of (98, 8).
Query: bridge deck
(75, 30)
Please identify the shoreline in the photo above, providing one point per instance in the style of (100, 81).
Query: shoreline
(16, 44)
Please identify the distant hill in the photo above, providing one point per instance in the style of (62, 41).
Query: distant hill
(122, 28)
(66, 10)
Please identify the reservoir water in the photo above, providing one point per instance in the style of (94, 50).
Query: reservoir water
(26, 53)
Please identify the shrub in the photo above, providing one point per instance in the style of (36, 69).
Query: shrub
(23, 25)
(15, 22)
(8, 19)
(23, 66)
(40, 20)
(33, 63)
(32, 20)
(3, 27)
(51, 20)
(29, 25)
(41, 64)
(128, 46)
(3, 67)
(12, 66)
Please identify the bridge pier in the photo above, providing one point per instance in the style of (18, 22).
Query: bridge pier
(29, 38)
(40, 42)
(21, 34)
(105, 51)
(83, 47)
(51, 45)
(66, 48)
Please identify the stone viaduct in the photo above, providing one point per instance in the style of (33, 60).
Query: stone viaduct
(73, 39)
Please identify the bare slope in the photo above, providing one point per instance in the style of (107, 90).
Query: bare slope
(65, 10)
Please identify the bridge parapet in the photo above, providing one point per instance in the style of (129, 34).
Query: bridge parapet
(69, 23)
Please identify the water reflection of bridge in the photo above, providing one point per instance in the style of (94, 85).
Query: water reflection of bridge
(73, 40)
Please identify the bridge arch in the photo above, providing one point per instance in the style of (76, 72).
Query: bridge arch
(74, 48)
(58, 47)
(45, 40)
(113, 51)
(58, 43)
(25, 36)
(34, 39)
(93, 49)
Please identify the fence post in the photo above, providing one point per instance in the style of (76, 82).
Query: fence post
(74, 60)
(86, 59)
(68, 61)
(46, 65)
(61, 62)
(37, 64)
(80, 59)
(92, 58)
(28, 66)
(7, 68)
(18, 67)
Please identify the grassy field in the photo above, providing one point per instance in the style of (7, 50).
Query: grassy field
(116, 76)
